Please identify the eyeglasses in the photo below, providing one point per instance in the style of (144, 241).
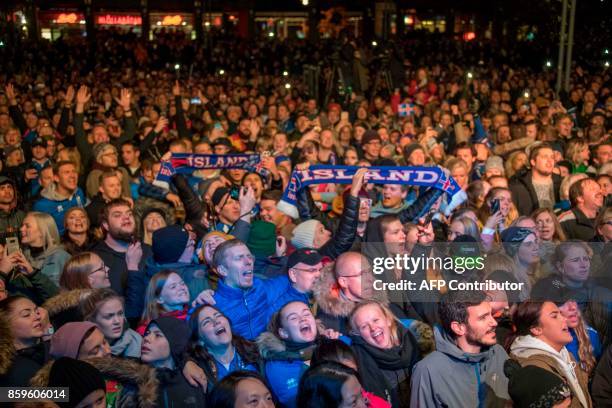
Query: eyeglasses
(103, 268)
(313, 270)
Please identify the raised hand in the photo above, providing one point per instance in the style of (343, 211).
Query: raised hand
(125, 99)
(69, 97)
(358, 181)
(10, 94)
(176, 88)
(83, 96)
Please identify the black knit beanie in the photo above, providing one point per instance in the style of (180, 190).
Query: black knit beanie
(80, 377)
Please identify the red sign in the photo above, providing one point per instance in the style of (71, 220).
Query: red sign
(119, 19)
(469, 36)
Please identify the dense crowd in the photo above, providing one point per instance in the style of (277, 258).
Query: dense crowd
(202, 292)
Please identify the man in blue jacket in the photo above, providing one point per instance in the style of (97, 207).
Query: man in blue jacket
(62, 194)
(247, 301)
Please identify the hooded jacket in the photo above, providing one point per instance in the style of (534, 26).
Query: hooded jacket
(64, 307)
(528, 350)
(250, 310)
(449, 377)
(134, 384)
(56, 205)
(283, 369)
(386, 373)
(17, 367)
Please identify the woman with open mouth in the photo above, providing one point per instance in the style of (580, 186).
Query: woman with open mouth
(22, 351)
(541, 335)
(386, 351)
(216, 349)
(286, 349)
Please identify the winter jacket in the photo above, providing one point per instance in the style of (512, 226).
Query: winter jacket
(593, 338)
(17, 367)
(283, 369)
(174, 391)
(524, 194)
(576, 225)
(129, 383)
(128, 345)
(291, 295)
(37, 287)
(94, 210)
(50, 263)
(119, 275)
(11, 219)
(601, 387)
(216, 371)
(528, 350)
(449, 377)
(249, 310)
(64, 307)
(56, 205)
(386, 373)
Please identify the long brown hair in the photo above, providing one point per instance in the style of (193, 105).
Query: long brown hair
(77, 269)
(559, 234)
(525, 317)
(247, 350)
(585, 348)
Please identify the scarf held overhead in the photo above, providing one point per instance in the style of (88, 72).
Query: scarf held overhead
(186, 163)
(433, 177)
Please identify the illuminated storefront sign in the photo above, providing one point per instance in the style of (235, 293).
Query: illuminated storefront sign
(67, 18)
(172, 20)
(119, 19)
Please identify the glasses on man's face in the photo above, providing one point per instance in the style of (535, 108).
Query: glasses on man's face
(310, 270)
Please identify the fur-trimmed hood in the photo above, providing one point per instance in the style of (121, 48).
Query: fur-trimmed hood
(128, 372)
(7, 349)
(64, 307)
(273, 348)
(329, 298)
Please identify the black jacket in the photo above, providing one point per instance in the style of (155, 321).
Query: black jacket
(577, 226)
(94, 209)
(174, 390)
(524, 195)
(601, 387)
(23, 365)
(118, 273)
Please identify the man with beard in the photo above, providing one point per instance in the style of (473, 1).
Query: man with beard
(121, 251)
(467, 368)
(10, 215)
(539, 187)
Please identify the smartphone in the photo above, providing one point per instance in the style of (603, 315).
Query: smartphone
(195, 101)
(12, 245)
(495, 206)
(235, 193)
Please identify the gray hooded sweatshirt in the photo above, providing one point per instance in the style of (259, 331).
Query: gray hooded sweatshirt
(449, 377)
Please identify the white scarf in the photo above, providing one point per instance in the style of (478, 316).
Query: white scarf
(527, 346)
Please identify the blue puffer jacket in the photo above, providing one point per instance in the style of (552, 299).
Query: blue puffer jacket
(56, 206)
(250, 310)
(283, 369)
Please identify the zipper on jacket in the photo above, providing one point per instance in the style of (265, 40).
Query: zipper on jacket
(246, 306)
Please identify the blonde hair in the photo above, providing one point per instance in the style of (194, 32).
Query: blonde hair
(567, 182)
(48, 229)
(73, 156)
(585, 348)
(573, 150)
(385, 311)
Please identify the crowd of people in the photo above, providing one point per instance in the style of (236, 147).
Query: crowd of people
(202, 292)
